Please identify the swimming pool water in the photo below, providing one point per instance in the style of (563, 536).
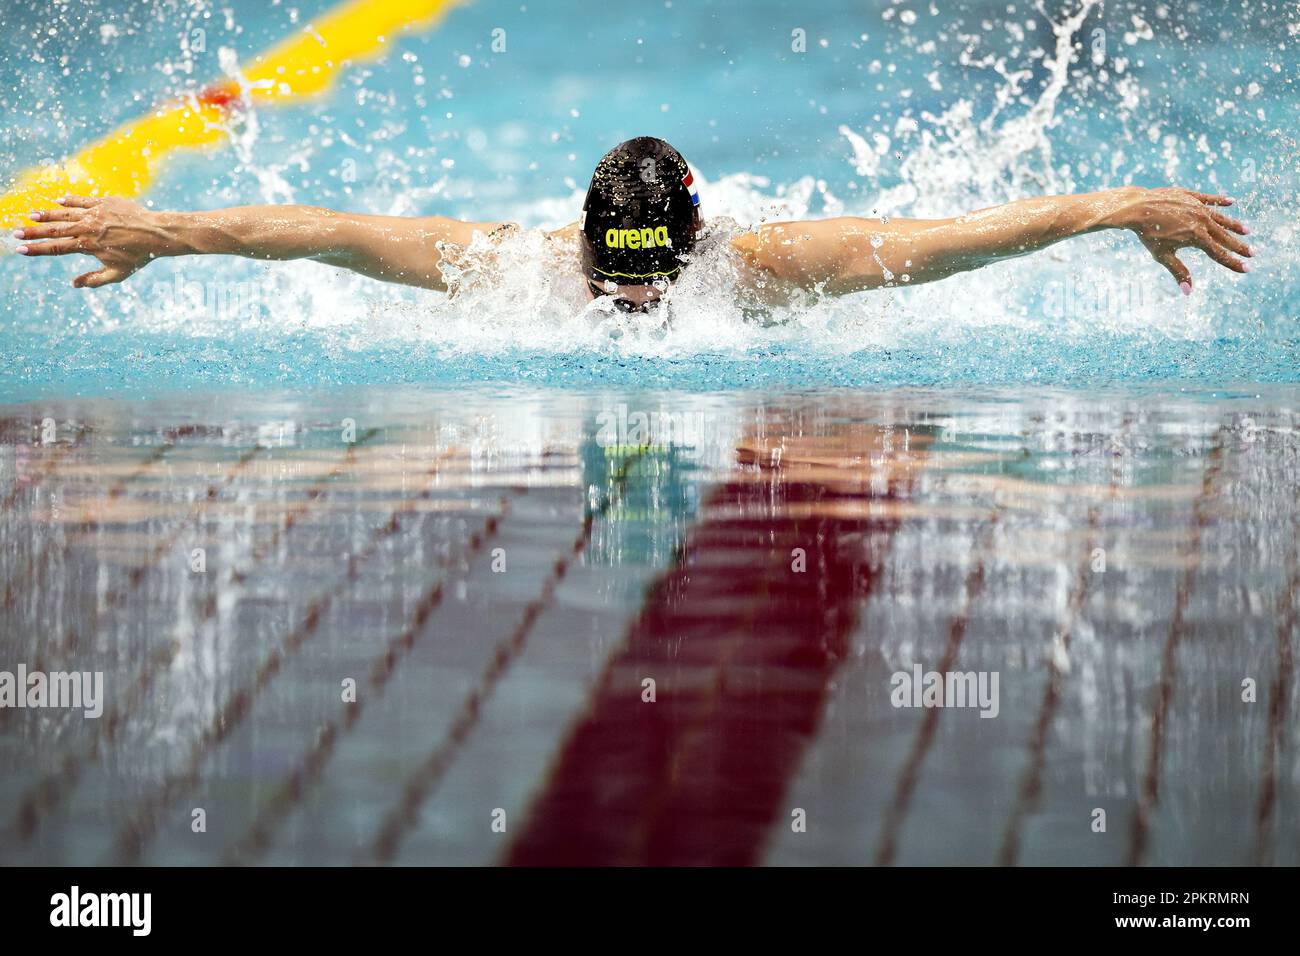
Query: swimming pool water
(893, 109)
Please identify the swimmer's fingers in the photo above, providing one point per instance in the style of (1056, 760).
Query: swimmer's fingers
(1227, 222)
(62, 214)
(54, 247)
(1211, 199)
(80, 202)
(50, 230)
(1182, 275)
(1224, 258)
(105, 276)
(1226, 239)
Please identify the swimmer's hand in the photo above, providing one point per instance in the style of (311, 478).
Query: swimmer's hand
(125, 237)
(118, 232)
(848, 253)
(1167, 220)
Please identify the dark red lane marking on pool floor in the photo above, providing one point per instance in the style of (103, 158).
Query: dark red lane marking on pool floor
(743, 651)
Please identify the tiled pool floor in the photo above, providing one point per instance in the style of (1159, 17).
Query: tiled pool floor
(506, 579)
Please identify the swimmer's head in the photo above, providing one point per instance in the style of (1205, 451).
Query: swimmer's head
(639, 219)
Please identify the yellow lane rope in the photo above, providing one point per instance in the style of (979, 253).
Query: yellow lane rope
(124, 162)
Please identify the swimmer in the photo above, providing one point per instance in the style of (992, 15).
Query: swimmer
(637, 230)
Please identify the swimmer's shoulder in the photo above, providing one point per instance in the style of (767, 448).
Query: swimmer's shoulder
(564, 233)
(746, 243)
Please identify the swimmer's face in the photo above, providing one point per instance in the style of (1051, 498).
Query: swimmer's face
(628, 298)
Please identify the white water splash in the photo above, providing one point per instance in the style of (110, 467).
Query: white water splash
(524, 292)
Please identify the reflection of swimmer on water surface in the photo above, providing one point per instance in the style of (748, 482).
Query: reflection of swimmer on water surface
(637, 229)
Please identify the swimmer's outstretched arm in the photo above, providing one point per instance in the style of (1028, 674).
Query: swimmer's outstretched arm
(843, 255)
(125, 236)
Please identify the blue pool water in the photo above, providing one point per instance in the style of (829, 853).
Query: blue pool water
(893, 109)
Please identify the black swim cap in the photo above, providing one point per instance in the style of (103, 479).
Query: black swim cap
(640, 215)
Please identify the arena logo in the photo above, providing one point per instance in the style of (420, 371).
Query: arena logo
(948, 689)
(73, 909)
(637, 238)
(77, 690)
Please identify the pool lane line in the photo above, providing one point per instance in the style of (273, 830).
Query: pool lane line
(698, 778)
(135, 834)
(308, 770)
(1149, 794)
(1278, 703)
(425, 780)
(671, 799)
(896, 813)
(49, 792)
(1030, 791)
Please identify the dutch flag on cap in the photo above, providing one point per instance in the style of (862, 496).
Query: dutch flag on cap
(689, 182)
